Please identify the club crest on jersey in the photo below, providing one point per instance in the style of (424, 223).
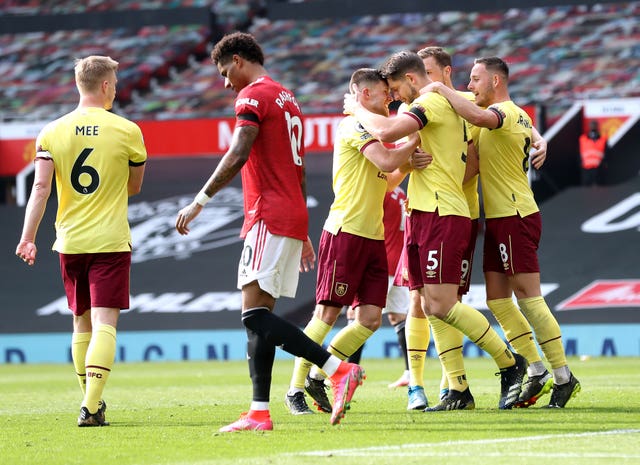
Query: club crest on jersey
(359, 128)
(341, 289)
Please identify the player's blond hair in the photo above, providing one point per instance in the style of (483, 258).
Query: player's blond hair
(91, 71)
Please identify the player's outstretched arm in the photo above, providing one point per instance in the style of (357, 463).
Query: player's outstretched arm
(465, 108)
(383, 128)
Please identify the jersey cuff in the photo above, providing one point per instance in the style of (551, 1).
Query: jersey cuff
(499, 115)
(43, 155)
(372, 141)
(419, 115)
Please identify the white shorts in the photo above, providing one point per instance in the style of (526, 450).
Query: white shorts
(398, 299)
(273, 261)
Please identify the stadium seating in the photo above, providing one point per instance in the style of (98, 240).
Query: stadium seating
(556, 55)
(33, 7)
(37, 68)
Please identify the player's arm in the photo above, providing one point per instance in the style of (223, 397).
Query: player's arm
(383, 128)
(136, 175)
(232, 161)
(540, 145)
(387, 160)
(484, 118)
(230, 164)
(473, 163)
(308, 256)
(36, 206)
(417, 161)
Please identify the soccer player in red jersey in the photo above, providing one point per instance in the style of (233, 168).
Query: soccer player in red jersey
(267, 148)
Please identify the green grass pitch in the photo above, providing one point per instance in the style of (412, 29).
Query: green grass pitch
(169, 413)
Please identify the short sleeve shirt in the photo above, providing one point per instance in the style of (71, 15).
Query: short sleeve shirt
(273, 174)
(92, 150)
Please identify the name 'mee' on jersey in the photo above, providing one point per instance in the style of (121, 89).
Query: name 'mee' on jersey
(92, 150)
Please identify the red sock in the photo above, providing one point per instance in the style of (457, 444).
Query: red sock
(259, 414)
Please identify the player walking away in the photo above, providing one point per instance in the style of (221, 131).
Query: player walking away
(98, 159)
(513, 225)
(438, 210)
(352, 259)
(267, 148)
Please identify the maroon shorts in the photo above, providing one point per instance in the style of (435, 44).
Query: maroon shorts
(435, 247)
(511, 244)
(96, 280)
(352, 270)
(467, 259)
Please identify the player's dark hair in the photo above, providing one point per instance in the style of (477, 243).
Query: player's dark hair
(401, 63)
(366, 75)
(494, 65)
(438, 53)
(237, 43)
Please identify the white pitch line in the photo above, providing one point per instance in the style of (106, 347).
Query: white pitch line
(403, 449)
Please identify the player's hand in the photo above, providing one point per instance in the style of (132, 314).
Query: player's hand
(350, 104)
(420, 159)
(432, 87)
(539, 155)
(308, 257)
(185, 216)
(26, 251)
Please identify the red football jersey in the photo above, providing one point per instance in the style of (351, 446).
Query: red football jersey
(271, 178)
(393, 220)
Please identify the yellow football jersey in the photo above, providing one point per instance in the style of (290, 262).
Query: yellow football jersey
(358, 185)
(504, 162)
(443, 134)
(91, 150)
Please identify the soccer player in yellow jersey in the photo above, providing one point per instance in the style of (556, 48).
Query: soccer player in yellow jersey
(448, 340)
(513, 226)
(439, 214)
(352, 261)
(98, 159)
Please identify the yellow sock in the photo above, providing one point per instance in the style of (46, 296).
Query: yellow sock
(516, 328)
(546, 328)
(349, 339)
(79, 346)
(477, 328)
(317, 330)
(100, 357)
(448, 342)
(416, 332)
(444, 380)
